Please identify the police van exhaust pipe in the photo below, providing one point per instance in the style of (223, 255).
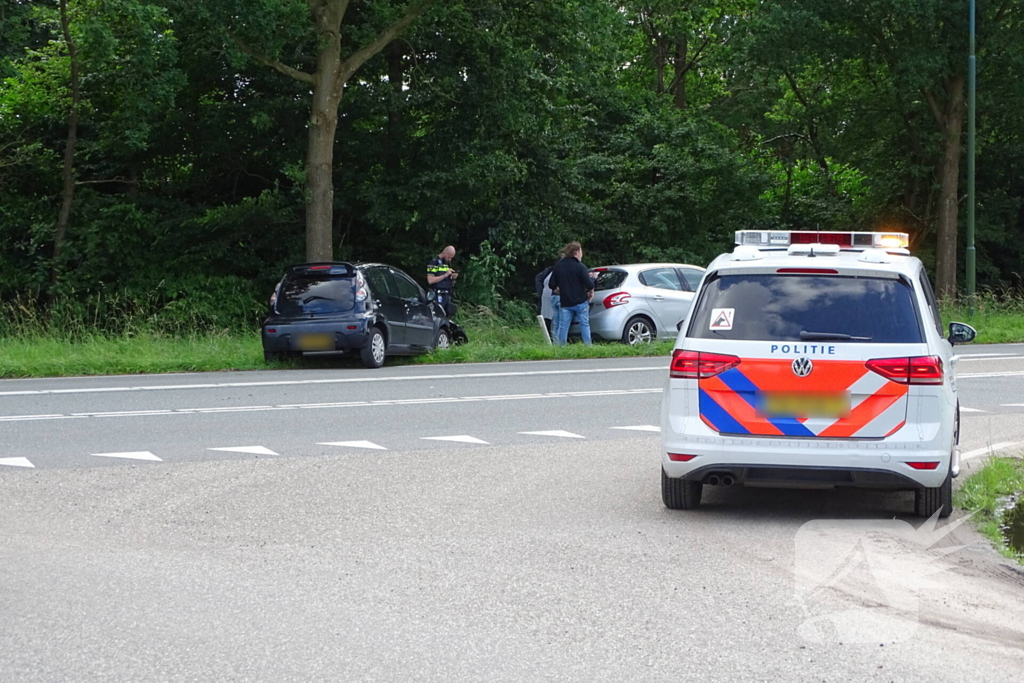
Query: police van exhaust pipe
(727, 480)
(713, 480)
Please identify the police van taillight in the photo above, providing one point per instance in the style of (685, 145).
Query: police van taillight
(920, 370)
(699, 365)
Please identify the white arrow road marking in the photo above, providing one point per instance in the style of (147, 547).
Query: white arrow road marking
(641, 428)
(462, 438)
(255, 450)
(556, 432)
(130, 455)
(971, 410)
(989, 449)
(16, 462)
(353, 444)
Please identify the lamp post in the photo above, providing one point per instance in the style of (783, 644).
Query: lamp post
(972, 78)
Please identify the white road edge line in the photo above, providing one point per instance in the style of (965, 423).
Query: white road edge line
(989, 449)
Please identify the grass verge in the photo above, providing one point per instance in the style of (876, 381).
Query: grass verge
(98, 354)
(983, 493)
(998, 317)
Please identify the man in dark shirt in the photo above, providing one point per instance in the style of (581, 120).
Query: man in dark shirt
(575, 288)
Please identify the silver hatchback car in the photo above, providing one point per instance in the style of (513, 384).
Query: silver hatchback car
(641, 302)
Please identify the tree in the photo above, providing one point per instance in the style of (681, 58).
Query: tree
(333, 69)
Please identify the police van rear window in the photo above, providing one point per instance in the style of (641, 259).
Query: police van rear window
(315, 294)
(772, 307)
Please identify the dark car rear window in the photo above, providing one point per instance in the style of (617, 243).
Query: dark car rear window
(609, 279)
(316, 294)
(774, 307)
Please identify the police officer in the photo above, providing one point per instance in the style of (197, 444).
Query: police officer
(441, 279)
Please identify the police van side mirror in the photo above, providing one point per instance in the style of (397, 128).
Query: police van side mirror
(961, 333)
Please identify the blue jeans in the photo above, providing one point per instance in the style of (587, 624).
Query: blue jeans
(581, 312)
(556, 317)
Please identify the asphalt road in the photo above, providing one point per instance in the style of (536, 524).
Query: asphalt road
(131, 551)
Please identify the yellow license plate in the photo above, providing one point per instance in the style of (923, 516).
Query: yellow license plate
(806, 405)
(315, 342)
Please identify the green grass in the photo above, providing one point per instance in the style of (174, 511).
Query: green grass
(998, 316)
(983, 492)
(36, 356)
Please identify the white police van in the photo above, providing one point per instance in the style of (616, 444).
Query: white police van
(814, 359)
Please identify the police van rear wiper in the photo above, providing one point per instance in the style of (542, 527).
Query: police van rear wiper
(831, 336)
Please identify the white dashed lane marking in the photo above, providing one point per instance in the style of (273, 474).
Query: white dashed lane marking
(353, 444)
(251, 450)
(320, 406)
(461, 438)
(640, 428)
(16, 462)
(556, 432)
(971, 410)
(129, 455)
(345, 380)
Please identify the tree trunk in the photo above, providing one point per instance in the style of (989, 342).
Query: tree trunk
(949, 184)
(323, 123)
(681, 67)
(68, 194)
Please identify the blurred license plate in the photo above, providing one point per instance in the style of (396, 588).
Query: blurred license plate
(316, 342)
(806, 405)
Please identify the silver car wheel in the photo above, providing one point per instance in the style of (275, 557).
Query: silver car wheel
(640, 333)
(378, 348)
(442, 340)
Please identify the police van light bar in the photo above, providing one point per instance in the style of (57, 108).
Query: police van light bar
(849, 240)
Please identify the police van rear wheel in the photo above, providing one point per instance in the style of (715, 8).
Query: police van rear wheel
(929, 500)
(373, 353)
(680, 494)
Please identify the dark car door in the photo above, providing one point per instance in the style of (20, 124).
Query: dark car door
(419, 320)
(390, 307)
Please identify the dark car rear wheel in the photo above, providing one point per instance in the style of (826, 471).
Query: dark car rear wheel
(680, 494)
(443, 339)
(271, 356)
(638, 330)
(373, 353)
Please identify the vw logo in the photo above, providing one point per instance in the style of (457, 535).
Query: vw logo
(802, 367)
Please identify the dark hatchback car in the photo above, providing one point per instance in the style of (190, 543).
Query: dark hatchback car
(372, 309)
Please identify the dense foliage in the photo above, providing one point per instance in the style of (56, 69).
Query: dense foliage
(647, 129)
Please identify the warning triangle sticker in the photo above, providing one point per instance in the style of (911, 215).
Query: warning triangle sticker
(721, 318)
